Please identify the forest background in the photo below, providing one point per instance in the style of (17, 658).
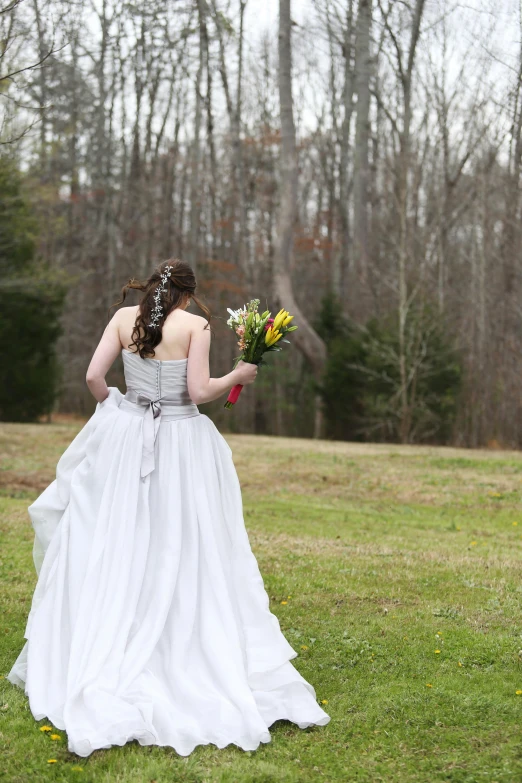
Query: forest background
(356, 161)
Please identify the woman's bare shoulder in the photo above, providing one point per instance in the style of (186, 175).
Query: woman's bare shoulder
(127, 312)
(124, 316)
(193, 321)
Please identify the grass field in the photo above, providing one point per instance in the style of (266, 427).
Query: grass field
(395, 573)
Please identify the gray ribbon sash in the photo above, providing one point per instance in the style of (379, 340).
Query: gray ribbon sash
(152, 419)
(151, 422)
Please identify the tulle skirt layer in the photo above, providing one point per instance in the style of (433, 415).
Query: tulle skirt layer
(150, 620)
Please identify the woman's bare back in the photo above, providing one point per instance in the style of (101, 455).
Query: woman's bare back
(176, 332)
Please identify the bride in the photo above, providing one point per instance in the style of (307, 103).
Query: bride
(150, 620)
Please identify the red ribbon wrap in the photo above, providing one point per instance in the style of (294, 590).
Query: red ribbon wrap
(234, 394)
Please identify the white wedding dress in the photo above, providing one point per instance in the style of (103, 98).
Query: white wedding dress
(150, 620)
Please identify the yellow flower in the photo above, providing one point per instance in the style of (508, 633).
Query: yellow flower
(473, 543)
(280, 317)
(52, 761)
(55, 736)
(287, 320)
(324, 701)
(272, 336)
(304, 647)
(518, 693)
(437, 652)
(515, 523)
(284, 602)
(460, 664)
(429, 685)
(77, 769)
(46, 728)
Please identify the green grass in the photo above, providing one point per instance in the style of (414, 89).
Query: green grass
(383, 554)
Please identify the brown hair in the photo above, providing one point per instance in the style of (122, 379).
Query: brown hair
(181, 282)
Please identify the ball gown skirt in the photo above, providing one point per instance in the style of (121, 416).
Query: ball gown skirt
(150, 620)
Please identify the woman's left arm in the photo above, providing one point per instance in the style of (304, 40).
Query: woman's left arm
(107, 351)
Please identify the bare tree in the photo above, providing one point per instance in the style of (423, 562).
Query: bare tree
(361, 171)
(308, 341)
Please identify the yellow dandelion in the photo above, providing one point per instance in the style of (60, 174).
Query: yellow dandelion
(460, 663)
(77, 769)
(46, 728)
(515, 524)
(284, 602)
(324, 701)
(52, 761)
(518, 693)
(429, 685)
(289, 596)
(304, 647)
(473, 543)
(55, 736)
(437, 652)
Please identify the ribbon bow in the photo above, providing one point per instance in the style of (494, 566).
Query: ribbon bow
(151, 422)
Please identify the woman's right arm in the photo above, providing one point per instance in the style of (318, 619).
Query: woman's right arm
(103, 358)
(202, 388)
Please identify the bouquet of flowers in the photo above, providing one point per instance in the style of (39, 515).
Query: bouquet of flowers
(258, 334)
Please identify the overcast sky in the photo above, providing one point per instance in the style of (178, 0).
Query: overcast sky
(261, 15)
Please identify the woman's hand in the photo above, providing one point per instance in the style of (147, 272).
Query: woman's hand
(245, 372)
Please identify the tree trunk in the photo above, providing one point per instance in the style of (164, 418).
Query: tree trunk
(402, 200)
(344, 203)
(195, 196)
(238, 151)
(362, 132)
(306, 338)
(42, 97)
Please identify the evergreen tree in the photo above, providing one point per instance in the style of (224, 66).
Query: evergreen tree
(31, 303)
(361, 387)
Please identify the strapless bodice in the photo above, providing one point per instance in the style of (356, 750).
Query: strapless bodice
(158, 391)
(159, 380)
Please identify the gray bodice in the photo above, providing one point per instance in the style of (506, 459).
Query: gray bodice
(165, 380)
(156, 390)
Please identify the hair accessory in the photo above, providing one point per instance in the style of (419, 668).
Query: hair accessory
(157, 312)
